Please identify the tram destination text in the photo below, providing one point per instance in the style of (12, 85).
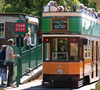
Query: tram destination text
(59, 24)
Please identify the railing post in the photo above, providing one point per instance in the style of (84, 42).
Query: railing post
(18, 73)
(20, 64)
(25, 44)
(36, 55)
(29, 56)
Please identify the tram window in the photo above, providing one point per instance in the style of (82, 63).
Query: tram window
(81, 53)
(73, 51)
(88, 48)
(47, 51)
(94, 50)
(85, 50)
(58, 56)
(60, 44)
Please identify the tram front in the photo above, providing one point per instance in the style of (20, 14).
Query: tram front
(62, 50)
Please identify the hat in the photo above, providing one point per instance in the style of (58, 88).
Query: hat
(50, 3)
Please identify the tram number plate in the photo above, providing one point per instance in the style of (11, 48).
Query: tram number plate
(59, 24)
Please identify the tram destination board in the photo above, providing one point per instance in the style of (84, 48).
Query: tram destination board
(59, 24)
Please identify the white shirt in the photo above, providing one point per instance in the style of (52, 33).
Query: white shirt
(9, 50)
(28, 39)
(81, 10)
(52, 8)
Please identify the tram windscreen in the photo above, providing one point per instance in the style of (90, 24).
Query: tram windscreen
(60, 45)
(60, 49)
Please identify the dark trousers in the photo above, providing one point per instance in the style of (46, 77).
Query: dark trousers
(10, 72)
(29, 47)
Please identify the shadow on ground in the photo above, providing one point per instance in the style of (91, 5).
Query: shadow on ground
(40, 87)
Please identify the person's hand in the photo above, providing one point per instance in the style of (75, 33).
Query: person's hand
(18, 56)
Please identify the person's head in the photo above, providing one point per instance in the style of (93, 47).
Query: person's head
(11, 42)
(89, 10)
(4, 47)
(61, 8)
(27, 34)
(85, 8)
(93, 10)
(98, 14)
(95, 13)
(81, 6)
(52, 3)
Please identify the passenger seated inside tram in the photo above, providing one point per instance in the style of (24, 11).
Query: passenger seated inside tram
(60, 48)
(51, 7)
(81, 8)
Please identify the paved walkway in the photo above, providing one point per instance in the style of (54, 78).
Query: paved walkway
(36, 85)
(24, 79)
(27, 86)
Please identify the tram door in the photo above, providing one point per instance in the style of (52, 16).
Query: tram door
(97, 59)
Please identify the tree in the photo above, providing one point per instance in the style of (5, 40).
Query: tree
(89, 4)
(35, 8)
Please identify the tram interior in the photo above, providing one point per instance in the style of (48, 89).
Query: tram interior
(60, 49)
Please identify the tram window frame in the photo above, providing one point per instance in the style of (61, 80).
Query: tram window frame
(60, 52)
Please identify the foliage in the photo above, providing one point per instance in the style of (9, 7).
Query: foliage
(35, 7)
(90, 4)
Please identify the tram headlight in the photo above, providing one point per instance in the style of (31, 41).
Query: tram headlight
(59, 71)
